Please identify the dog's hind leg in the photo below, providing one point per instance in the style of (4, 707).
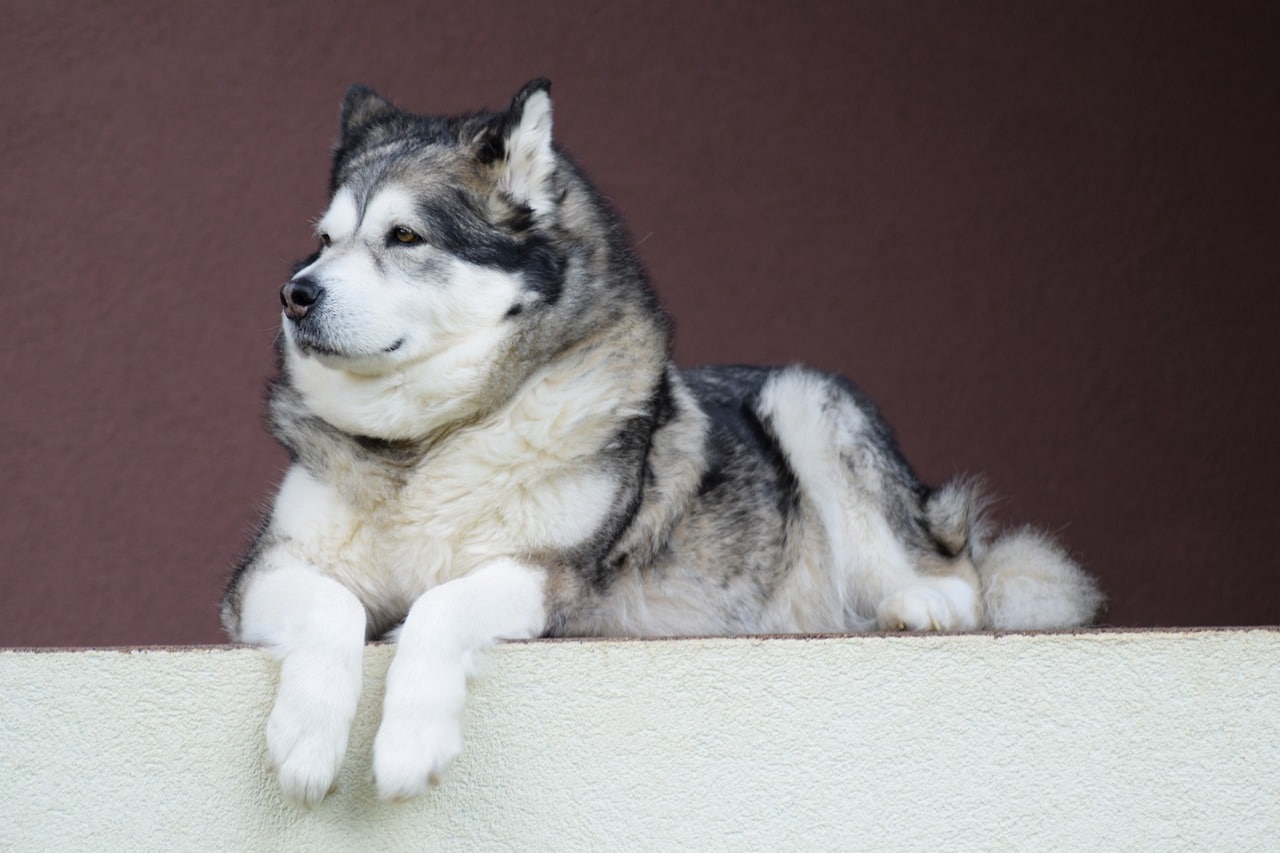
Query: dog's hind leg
(421, 730)
(867, 501)
(947, 595)
(316, 628)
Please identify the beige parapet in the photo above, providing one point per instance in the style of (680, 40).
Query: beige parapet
(1112, 740)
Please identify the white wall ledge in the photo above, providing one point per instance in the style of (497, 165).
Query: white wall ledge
(1143, 740)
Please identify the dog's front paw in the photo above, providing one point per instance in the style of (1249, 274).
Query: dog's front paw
(946, 604)
(306, 747)
(412, 752)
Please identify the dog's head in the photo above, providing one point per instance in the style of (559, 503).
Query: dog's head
(441, 263)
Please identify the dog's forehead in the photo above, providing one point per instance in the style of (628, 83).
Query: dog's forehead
(388, 204)
(393, 189)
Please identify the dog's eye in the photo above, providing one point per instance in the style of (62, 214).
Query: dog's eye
(404, 235)
(325, 241)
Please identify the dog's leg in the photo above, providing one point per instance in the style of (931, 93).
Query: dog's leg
(848, 471)
(316, 628)
(421, 730)
(943, 591)
(882, 574)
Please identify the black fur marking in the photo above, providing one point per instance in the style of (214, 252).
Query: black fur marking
(402, 452)
(767, 441)
(491, 147)
(663, 402)
(519, 220)
(632, 445)
(735, 431)
(730, 397)
(459, 229)
(304, 263)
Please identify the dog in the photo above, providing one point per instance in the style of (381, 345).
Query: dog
(490, 441)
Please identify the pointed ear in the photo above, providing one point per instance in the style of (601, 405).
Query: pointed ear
(360, 108)
(528, 161)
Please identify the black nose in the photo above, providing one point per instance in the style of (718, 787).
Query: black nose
(298, 295)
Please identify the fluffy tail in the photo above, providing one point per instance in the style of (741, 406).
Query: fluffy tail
(1026, 579)
(1029, 582)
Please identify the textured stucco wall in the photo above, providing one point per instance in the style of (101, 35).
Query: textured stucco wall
(1151, 741)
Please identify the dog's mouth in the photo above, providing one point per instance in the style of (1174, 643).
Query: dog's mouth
(308, 342)
(319, 350)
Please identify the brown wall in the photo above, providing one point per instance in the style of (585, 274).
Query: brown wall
(1041, 235)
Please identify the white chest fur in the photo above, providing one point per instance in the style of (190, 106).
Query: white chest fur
(525, 480)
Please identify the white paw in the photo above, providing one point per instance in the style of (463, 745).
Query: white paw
(306, 746)
(947, 604)
(412, 752)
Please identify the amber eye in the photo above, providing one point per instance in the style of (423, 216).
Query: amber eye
(404, 235)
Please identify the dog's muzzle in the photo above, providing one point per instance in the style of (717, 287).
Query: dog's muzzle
(299, 295)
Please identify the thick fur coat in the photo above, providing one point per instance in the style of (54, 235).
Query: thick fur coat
(490, 441)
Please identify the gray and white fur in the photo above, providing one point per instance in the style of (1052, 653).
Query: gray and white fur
(490, 441)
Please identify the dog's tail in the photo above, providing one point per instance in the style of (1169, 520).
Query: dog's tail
(1026, 579)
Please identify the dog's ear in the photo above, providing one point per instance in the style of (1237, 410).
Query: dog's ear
(360, 108)
(518, 145)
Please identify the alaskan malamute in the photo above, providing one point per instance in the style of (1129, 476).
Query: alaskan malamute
(490, 441)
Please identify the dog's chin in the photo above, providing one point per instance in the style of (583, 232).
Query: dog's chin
(338, 356)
